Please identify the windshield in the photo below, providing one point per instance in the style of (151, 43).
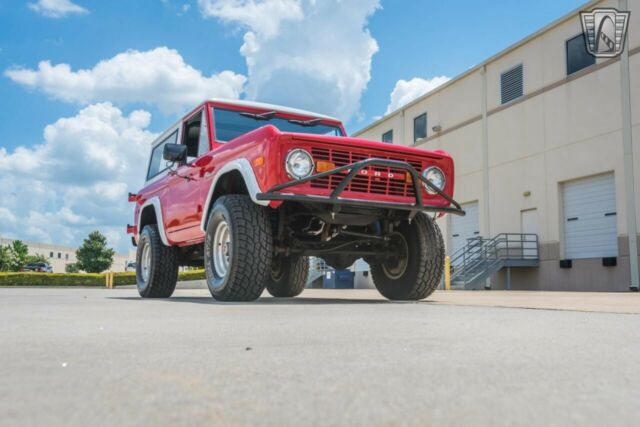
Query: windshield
(230, 124)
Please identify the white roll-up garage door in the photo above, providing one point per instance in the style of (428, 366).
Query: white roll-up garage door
(464, 227)
(590, 218)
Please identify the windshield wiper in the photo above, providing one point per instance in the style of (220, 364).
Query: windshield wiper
(263, 116)
(308, 123)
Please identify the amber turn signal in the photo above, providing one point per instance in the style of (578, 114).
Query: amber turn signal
(258, 161)
(323, 166)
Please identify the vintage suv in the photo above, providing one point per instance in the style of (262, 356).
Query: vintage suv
(252, 190)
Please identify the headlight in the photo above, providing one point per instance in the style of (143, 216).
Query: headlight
(299, 163)
(435, 176)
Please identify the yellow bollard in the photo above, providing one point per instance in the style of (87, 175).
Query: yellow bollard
(108, 277)
(447, 273)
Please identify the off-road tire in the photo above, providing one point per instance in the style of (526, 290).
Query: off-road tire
(163, 266)
(250, 249)
(424, 263)
(289, 279)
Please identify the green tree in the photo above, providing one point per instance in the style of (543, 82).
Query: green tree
(94, 256)
(4, 258)
(72, 267)
(18, 253)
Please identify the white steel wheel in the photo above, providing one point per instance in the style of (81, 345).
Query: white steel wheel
(414, 270)
(394, 267)
(237, 249)
(145, 263)
(156, 265)
(221, 249)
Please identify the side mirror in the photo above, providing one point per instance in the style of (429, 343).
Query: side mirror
(175, 153)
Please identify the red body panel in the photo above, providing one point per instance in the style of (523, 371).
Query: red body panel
(182, 201)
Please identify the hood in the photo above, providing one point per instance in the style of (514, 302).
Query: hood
(342, 141)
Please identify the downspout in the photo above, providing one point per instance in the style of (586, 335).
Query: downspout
(485, 164)
(627, 149)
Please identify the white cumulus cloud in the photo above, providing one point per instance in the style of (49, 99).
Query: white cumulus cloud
(158, 77)
(57, 8)
(304, 53)
(406, 91)
(262, 17)
(77, 179)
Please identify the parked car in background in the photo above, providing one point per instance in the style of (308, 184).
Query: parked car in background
(130, 267)
(38, 267)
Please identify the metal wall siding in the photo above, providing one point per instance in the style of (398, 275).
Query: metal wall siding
(588, 231)
(464, 227)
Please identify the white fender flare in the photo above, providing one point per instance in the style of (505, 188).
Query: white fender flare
(155, 202)
(243, 166)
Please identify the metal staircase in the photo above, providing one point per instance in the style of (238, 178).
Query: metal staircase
(472, 264)
(317, 268)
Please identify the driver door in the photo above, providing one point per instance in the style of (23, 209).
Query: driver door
(184, 209)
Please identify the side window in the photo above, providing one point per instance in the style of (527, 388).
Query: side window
(420, 127)
(191, 135)
(157, 163)
(388, 137)
(203, 144)
(577, 55)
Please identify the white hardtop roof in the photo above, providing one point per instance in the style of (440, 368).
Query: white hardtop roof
(250, 104)
(262, 105)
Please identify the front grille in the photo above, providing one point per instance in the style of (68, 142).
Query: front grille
(390, 181)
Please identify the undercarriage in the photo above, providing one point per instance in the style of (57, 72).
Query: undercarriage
(339, 238)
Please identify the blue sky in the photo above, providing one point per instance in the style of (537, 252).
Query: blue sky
(343, 58)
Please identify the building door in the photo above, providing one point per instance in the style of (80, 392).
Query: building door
(590, 229)
(529, 223)
(464, 227)
(529, 227)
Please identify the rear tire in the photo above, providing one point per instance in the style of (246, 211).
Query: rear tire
(156, 265)
(237, 249)
(415, 272)
(288, 276)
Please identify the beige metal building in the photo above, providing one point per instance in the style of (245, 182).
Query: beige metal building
(59, 256)
(545, 138)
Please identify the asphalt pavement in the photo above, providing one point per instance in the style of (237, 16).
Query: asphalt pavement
(98, 357)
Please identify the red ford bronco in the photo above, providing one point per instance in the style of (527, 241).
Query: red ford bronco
(252, 190)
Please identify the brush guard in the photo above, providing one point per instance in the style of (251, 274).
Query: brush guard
(275, 192)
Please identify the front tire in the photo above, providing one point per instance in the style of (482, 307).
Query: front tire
(156, 265)
(238, 249)
(288, 276)
(415, 270)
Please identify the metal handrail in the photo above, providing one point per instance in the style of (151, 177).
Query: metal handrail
(480, 253)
